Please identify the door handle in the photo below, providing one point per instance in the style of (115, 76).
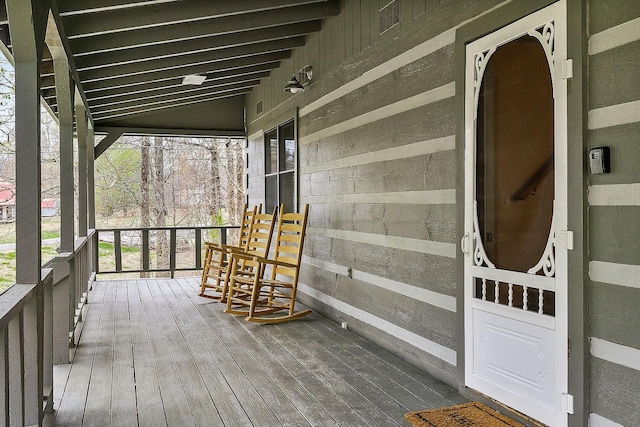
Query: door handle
(463, 244)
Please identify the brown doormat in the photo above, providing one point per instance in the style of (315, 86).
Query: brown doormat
(473, 414)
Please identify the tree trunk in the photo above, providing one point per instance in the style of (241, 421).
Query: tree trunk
(215, 182)
(237, 173)
(162, 247)
(145, 214)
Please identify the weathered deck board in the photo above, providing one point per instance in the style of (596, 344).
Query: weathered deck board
(153, 353)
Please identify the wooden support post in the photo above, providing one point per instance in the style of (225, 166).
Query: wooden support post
(145, 249)
(117, 247)
(4, 375)
(198, 248)
(27, 130)
(64, 96)
(33, 325)
(16, 370)
(47, 353)
(81, 124)
(172, 251)
(91, 198)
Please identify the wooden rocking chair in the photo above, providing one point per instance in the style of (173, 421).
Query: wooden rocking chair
(216, 256)
(258, 243)
(277, 292)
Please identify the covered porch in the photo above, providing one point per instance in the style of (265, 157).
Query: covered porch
(154, 353)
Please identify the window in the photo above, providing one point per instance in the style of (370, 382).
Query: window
(280, 167)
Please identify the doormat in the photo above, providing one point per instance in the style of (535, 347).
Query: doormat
(473, 414)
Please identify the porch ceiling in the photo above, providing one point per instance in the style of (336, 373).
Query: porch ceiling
(129, 56)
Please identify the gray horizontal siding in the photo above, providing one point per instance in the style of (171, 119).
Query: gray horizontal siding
(420, 124)
(428, 321)
(434, 273)
(604, 14)
(615, 232)
(426, 222)
(615, 315)
(615, 392)
(431, 172)
(614, 247)
(614, 76)
(425, 74)
(335, 63)
(416, 356)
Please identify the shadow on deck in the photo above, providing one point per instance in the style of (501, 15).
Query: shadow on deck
(153, 353)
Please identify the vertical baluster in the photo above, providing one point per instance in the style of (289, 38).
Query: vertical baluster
(540, 301)
(484, 289)
(525, 297)
(510, 295)
(496, 292)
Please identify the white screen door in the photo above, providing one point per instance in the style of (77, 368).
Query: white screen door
(516, 237)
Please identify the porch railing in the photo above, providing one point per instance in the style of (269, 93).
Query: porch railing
(181, 248)
(26, 363)
(40, 323)
(39, 327)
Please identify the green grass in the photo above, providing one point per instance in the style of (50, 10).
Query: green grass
(48, 234)
(8, 265)
(107, 248)
(50, 230)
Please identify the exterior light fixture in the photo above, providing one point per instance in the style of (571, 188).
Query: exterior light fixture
(299, 80)
(193, 79)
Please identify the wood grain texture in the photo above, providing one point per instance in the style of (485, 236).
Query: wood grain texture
(194, 365)
(604, 14)
(615, 392)
(614, 234)
(614, 314)
(613, 76)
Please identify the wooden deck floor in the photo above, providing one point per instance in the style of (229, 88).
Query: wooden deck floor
(153, 353)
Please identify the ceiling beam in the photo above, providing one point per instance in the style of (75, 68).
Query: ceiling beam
(175, 92)
(155, 87)
(180, 48)
(102, 146)
(154, 109)
(162, 14)
(208, 27)
(173, 100)
(192, 59)
(179, 72)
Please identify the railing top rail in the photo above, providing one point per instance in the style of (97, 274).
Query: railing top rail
(82, 240)
(191, 227)
(13, 300)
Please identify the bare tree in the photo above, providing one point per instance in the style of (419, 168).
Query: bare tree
(159, 208)
(145, 215)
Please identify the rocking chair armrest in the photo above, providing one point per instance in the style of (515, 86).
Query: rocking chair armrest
(243, 255)
(276, 262)
(212, 244)
(231, 248)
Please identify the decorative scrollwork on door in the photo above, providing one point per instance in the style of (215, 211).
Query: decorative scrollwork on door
(547, 261)
(480, 65)
(480, 257)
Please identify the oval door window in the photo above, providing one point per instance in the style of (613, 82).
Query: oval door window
(514, 155)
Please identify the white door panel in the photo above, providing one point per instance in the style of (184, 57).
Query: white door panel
(515, 206)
